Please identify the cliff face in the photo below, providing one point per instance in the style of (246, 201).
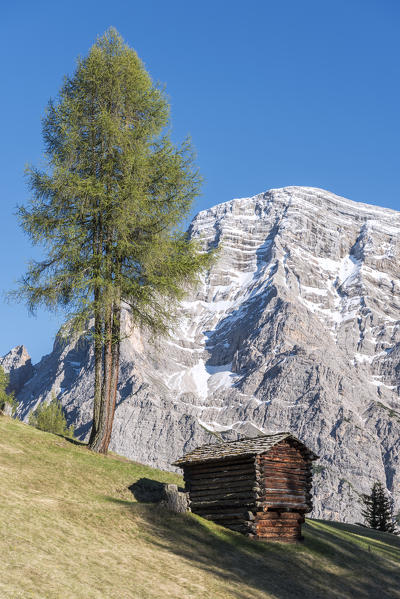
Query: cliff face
(19, 366)
(295, 328)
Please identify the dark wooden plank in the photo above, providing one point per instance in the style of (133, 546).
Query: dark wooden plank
(282, 465)
(285, 493)
(234, 475)
(285, 471)
(220, 465)
(221, 504)
(240, 484)
(223, 481)
(239, 515)
(274, 484)
(224, 494)
(281, 504)
(221, 497)
(224, 491)
(288, 475)
(276, 461)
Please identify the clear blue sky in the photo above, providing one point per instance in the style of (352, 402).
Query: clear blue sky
(272, 93)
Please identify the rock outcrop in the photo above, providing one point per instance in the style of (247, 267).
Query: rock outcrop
(19, 366)
(296, 327)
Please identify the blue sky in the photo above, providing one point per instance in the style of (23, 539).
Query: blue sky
(272, 94)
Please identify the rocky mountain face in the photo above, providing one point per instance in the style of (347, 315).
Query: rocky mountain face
(19, 366)
(295, 328)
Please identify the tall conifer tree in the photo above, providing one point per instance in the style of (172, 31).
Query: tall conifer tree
(378, 509)
(107, 209)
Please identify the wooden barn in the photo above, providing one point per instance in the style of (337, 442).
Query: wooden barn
(258, 486)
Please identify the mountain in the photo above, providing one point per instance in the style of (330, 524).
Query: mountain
(295, 328)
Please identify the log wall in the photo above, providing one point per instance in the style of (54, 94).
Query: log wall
(285, 479)
(225, 491)
(263, 496)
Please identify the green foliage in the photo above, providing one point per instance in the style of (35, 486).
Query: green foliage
(107, 208)
(6, 398)
(51, 418)
(378, 512)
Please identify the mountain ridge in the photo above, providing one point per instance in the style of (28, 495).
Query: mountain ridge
(318, 190)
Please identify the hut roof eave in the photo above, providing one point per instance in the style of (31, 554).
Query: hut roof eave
(241, 448)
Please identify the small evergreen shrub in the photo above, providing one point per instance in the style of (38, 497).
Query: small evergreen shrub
(6, 399)
(50, 417)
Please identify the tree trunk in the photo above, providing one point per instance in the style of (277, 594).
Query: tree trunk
(101, 437)
(98, 367)
(116, 326)
(98, 443)
(98, 313)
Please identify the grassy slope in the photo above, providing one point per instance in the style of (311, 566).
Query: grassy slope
(70, 528)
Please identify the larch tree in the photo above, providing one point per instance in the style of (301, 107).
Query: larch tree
(107, 210)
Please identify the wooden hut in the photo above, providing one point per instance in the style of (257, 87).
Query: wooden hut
(257, 486)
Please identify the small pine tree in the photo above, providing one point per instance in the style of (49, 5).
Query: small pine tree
(6, 399)
(51, 418)
(378, 512)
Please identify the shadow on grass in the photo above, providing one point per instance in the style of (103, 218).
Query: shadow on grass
(110, 499)
(74, 441)
(362, 538)
(147, 490)
(332, 563)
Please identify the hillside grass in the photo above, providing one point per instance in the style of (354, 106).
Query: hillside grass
(70, 528)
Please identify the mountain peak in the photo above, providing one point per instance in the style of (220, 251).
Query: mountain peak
(17, 363)
(308, 197)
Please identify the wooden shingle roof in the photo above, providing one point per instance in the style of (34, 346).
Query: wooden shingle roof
(244, 447)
